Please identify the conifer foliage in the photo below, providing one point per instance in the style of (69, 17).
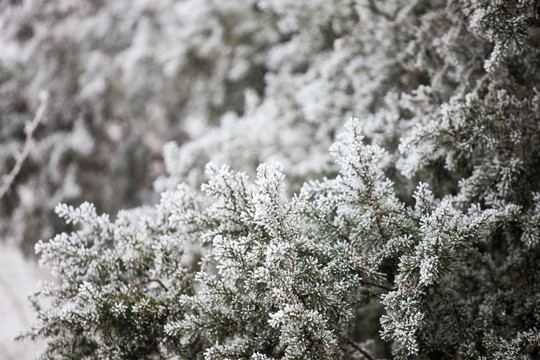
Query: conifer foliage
(416, 237)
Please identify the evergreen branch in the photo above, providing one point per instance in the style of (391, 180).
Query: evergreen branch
(425, 346)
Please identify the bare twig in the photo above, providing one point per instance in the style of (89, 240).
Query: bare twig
(370, 284)
(355, 346)
(159, 282)
(375, 9)
(28, 144)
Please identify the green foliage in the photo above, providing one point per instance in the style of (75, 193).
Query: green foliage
(417, 237)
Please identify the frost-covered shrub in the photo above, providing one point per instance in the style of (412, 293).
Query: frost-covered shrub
(415, 236)
(123, 78)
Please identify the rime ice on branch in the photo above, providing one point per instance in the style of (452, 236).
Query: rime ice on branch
(415, 237)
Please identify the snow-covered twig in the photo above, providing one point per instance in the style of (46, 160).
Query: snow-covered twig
(28, 143)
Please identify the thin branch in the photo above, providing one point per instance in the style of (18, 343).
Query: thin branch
(376, 10)
(159, 282)
(370, 284)
(28, 144)
(355, 346)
